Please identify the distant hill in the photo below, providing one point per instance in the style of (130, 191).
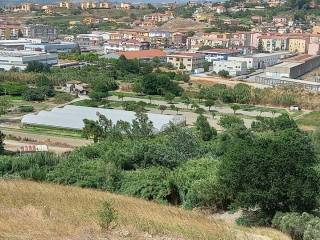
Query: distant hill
(38, 211)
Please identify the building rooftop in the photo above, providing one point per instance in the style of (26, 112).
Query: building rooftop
(219, 51)
(20, 53)
(152, 53)
(185, 54)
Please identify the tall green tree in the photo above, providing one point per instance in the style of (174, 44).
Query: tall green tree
(206, 132)
(273, 171)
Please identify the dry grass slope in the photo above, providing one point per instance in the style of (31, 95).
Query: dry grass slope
(30, 210)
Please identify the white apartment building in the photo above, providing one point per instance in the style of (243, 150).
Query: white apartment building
(125, 46)
(234, 68)
(20, 59)
(187, 61)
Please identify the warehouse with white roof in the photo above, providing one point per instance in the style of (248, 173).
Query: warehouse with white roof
(71, 117)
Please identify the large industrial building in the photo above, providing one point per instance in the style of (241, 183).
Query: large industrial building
(234, 68)
(71, 117)
(20, 59)
(54, 47)
(293, 67)
(261, 60)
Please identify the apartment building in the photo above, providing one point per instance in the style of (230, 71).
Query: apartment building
(274, 43)
(40, 31)
(10, 31)
(159, 17)
(186, 61)
(125, 46)
(260, 60)
(213, 41)
(299, 44)
(67, 5)
(86, 41)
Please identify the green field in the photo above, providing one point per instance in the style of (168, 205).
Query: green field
(311, 119)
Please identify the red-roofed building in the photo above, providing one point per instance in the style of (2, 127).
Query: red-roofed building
(141, 55)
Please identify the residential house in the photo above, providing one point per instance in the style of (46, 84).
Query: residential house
(186, 61)
(299, 44)
(272, 43)
(125, 45)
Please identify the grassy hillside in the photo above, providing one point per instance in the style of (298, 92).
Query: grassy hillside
(30, 210)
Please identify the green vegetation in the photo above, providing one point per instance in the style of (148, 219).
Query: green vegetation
(310, 119)
(239, 168)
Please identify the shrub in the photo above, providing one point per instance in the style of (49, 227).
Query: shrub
(26, 108)
(107, 215)
(298, 226)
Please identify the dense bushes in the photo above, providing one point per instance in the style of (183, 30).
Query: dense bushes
(244, 94)
(299, 226)
(270, 169)
(157, 84)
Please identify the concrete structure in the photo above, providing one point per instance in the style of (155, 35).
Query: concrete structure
(125, 45)
(234, 68)
(66, 4)
(280, 19)
(299, 44)
(159, 17)
(55, 47)
(17, 44)
(41, 31)
(293, 67)
(20, 59)
(260, 60)
(87, 41)
(273, 81)
(186, 61)
(217, 54)
(274, 43)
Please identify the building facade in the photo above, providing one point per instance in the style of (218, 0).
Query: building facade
(186, 61)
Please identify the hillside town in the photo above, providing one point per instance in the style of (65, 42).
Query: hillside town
(246, 48)
(156, 109)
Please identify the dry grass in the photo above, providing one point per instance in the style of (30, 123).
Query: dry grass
(30, 210)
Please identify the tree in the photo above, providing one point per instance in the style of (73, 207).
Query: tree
(235, 107)
(2, 136)
(223, 73)
(107, 215)
(157, 84)
(206, 132)
(121, 96)
(228, 121)
(162, 108)
(36, 66)
(169, 97)
(186, 100)
(272, 172)
(141, 127)
(260, 46)
(209, 103)
(5, 104)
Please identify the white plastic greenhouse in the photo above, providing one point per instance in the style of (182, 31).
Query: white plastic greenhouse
(71, 117)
